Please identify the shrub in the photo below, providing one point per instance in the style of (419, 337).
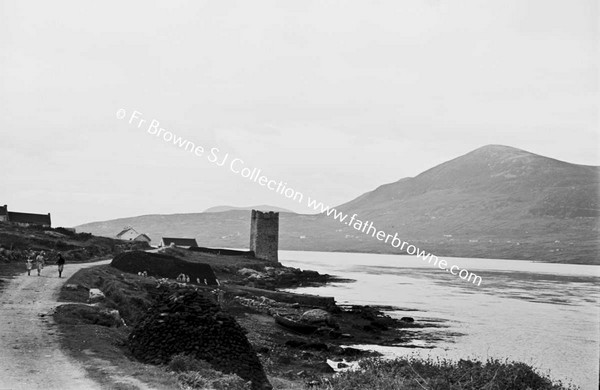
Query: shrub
(183, 362)
(413, 374)
(198, 374)
(192, 380)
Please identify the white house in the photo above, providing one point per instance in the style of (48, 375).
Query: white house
(130, 234)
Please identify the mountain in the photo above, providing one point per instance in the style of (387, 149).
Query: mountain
(219, 209)
(494, 202)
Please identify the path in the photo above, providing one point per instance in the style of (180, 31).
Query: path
(30, 354)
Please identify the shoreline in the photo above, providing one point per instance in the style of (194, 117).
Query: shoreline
(291, 360)
(286, 354)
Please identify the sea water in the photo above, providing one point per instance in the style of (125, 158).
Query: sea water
(546, 315)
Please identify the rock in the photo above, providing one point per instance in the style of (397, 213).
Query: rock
(263, 350)
(315, 316)
(342, 366)
(295, 343)
(256, 276)
(96, 295)
(71, 287)
(267, 301)
(379, 324)
(248, 272)
(407, 319)
(316, 347)
(117, 317)
(349, 351)
(369, 328)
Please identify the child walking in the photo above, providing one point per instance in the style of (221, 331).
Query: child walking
(29, 263)
(40, 262)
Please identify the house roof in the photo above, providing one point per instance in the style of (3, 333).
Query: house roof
(35, 219)
(179, 241)
(143, 235)
(125, 230)
(4, 210)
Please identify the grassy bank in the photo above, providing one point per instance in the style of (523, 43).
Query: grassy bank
(7, 271)
(15, 241)
(419, 374)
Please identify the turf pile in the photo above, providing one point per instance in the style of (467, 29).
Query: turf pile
(187, 322)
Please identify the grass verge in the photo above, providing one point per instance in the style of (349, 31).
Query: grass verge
(97, 342)
(419, 374)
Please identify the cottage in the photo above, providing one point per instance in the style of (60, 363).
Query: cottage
(143, 237)
(130, 234)
(178, 242)
(24, 219)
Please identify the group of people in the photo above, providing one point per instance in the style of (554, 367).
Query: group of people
(39, 259)
(183, 278)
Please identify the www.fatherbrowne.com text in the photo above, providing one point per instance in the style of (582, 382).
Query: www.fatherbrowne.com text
(237, 166)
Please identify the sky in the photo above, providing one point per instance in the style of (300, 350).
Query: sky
(332, 97)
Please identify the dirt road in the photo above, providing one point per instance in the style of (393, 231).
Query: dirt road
(30, 355)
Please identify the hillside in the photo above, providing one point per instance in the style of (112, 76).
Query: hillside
(262, 207)
(15, 241)
(494, 202)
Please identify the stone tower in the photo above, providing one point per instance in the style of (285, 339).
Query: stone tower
(264, 235)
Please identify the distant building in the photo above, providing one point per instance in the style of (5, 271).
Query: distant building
(24, 219)
(178, 242)
(130, 234)
(264, 235)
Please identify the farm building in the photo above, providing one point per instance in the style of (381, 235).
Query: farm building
(178, 242)
(24, 219)
(130, 234)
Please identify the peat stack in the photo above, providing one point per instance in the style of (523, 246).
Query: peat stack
(186, 321)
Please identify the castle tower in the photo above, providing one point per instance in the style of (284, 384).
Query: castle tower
(264, 235)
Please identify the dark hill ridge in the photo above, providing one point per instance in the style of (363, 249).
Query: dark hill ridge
(219, 209)
(496, 170)
(494, 202)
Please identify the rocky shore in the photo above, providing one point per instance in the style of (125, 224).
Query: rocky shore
(298, 339)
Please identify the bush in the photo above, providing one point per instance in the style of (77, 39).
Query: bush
(195, 380)
(183, 362)
(192, 380)
(413, 374)
(198, 374)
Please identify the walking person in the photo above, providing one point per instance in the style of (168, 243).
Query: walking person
(61, 264)
(39, 260)
(29, 263)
